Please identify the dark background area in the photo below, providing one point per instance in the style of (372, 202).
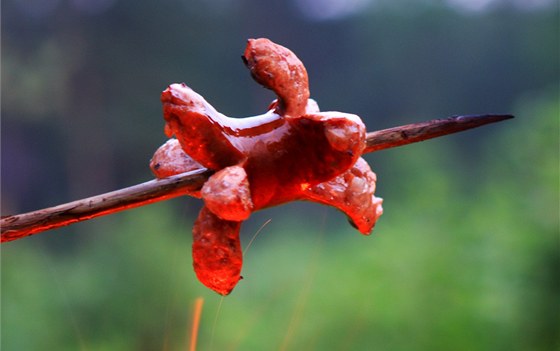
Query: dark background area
(465, 257)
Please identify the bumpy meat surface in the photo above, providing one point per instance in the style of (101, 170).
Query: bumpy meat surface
(353, 193)
(170, 159)
(279, 69)
(227, 193)
(292, 152)
(216, 250)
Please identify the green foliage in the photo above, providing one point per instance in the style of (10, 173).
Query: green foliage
(446, 270)
(121, 291)
(465, 257)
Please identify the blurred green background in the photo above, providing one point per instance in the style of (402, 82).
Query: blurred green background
(466, 256)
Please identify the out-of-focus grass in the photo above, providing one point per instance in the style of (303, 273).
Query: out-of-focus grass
(448, 268)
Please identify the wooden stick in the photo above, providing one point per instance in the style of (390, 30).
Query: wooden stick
(413, 133)
(19, 226)
(15, 227)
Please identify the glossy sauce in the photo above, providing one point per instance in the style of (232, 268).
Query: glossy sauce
(292, 152)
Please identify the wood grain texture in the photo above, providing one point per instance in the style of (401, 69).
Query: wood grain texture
(14, 227)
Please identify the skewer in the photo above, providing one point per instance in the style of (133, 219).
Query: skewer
(14, 227)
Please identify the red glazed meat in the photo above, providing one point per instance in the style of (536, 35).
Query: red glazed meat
(292, 152)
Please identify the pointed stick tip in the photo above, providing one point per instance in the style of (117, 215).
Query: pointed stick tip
(415, 132)
(483, 119)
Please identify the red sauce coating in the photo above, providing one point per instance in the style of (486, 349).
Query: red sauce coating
(292, 152)
(217, 255)
(282, 156)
